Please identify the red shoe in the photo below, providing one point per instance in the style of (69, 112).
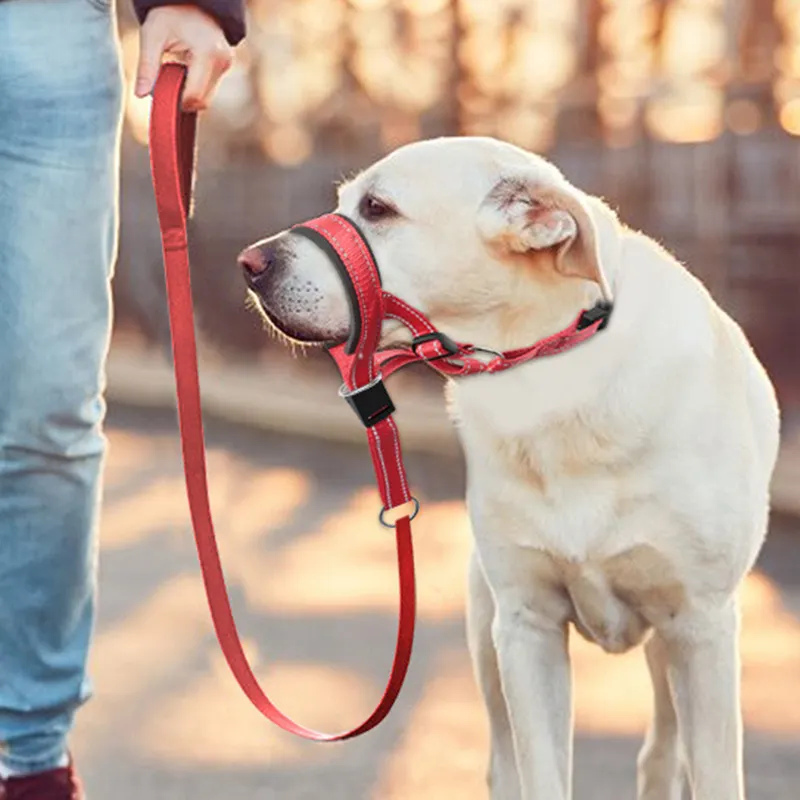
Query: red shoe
(55, 784)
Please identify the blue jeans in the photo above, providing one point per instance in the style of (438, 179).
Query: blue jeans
(60, 119)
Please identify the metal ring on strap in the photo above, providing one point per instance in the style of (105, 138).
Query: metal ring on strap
(411, 516)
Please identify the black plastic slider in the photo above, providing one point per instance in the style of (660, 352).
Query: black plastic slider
(371, 402)
(600, 311)
(444, 340)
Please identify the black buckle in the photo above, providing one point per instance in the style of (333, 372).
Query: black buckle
(444, 340)
(371, 402)
(601, 310)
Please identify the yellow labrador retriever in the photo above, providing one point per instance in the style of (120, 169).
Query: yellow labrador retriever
(622, 486)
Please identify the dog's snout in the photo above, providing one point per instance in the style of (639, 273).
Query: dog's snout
(254, 260)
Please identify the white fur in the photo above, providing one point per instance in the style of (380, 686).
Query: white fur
(622, 486)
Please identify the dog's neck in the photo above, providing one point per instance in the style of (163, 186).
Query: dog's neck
(524, 321)
(547, 309)
(514, 324)
(546, 387)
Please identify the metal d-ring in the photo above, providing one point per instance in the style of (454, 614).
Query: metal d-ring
(488, 351)
(410, 516)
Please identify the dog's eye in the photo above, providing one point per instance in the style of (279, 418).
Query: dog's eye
(372, 209)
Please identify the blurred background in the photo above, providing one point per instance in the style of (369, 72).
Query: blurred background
(685, 116)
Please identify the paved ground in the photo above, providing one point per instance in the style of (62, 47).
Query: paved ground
(312, 577)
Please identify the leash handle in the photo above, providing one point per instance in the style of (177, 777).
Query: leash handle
(172, 156)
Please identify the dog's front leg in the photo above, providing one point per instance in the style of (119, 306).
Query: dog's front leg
(529, 633)
(703, 672)
(660, 771)
(535, 674)
(502, 774)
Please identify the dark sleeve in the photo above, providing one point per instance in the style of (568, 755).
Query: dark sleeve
(229, 14)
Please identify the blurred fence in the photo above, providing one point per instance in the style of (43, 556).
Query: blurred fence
(683, 114)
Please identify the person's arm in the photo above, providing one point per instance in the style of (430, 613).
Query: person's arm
(201, 34)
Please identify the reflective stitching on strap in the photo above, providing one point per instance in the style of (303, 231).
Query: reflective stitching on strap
(398, 459)
(384, 471)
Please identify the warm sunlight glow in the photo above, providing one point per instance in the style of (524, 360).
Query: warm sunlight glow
(288, 145)
(401, 67)
(790, 117)
(209, 721)
(424, 8)
(695, 38)
(389, 72)
(369, 5)
(693, 115)
(625, 71)
(546, 63)
(134, 657)
(516, 74)
(258, 503)
(349, 564)
(159, 508)
(788, 54)
(770, 658)
(246, 506)
(234, 104)
(445, 743)
(532, 128)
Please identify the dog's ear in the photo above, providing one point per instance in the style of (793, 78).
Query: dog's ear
(524, 216)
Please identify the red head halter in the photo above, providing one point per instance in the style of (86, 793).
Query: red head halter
(364, 366)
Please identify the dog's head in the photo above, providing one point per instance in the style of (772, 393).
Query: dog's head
(489, 241)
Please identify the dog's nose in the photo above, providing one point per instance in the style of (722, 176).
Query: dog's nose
(253, 260)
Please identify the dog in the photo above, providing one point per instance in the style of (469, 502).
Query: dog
(620, 488)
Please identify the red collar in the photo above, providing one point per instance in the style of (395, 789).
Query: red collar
(364, 366)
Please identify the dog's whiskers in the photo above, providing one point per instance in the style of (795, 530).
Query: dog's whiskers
(296, 347)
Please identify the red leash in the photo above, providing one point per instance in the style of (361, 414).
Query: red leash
(172, 148)
(362, 366)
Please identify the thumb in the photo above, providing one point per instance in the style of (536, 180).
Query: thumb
(151, 48)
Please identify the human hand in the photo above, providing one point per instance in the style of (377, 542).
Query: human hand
(193, 37)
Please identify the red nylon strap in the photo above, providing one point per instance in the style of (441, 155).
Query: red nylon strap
(463, 362)
(172, 159)
(384, 446)
(358, 369)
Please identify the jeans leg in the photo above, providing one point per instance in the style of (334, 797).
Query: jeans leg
(60, 115)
